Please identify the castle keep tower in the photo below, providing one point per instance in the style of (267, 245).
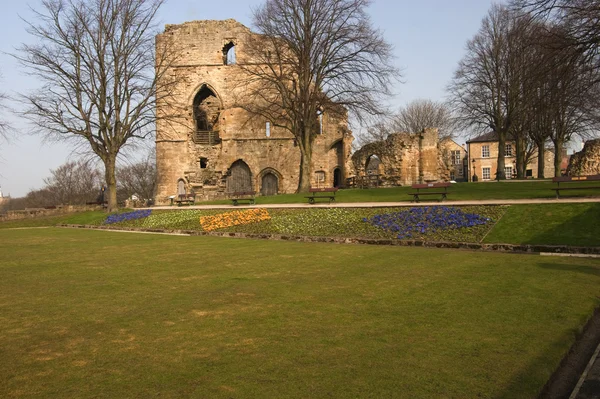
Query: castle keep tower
(216, 148)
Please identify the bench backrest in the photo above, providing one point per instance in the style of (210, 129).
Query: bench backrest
(322, 190)
(431, 185)
(576, 178)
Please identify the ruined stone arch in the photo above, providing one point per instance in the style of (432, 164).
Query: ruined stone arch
(269, 180)
(206, 111)
(373, 164)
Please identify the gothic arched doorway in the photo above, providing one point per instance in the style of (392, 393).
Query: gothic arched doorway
(337, 177)
(270, 184)
(240, 178)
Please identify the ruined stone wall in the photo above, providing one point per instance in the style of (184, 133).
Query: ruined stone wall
(405, 159)
(587, 161)
(204, 90)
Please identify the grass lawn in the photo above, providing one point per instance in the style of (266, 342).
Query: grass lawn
(549, 224)
(113, 315)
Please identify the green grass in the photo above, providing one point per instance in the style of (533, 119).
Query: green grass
(549, 224)
(112, 315)
(459, 191)
(90, 217)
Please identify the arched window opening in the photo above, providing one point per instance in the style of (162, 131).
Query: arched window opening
(372, 165)
(320, 120)
(229, 54)
(207, 109)
(203, 163)
(239, 179)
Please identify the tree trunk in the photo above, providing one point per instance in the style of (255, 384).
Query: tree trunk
(305, 145)
(304, 180)
(111, 182)
(558, 146)
(500, 174)
(520, 149)
(541, 160)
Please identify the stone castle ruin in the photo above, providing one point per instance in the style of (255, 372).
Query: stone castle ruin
(587, 161)
(405, 158)
(218, 148)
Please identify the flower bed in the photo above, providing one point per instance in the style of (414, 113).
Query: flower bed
(127, 216)
(458, 224)
(418, 222)
(210, 223)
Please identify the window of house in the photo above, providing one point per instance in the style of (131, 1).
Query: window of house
(203, 163)
(460, 171)
(508, 172)
(485, 173)
(509, 150)
(268, 129)
(452, 175)
(529, 173)
(455, 157)
(485, 151)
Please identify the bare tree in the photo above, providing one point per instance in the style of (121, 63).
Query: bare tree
(138, 179)
(73, 183)
(421, 114)
(4, 125)
(96, 60)
(315, 57)
(486, 90)
(580, 20)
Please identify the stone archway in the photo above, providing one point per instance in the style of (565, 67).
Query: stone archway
(337, 177)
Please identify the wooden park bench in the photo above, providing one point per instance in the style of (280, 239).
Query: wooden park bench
(243, 196)
(327, 193)
(185, 199)
(429, 189)
(567, 180)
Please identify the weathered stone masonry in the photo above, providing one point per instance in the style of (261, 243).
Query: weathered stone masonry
(218, 148)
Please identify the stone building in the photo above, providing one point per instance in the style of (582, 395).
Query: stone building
(587, 161)
(483, 159)
(404, 158)
(217, 148)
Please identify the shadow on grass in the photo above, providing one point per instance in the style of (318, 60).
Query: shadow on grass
(581, 229)
(585, 269)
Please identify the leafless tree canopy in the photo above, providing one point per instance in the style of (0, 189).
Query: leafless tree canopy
(73, 183)
(96, 61)
(138, 179)
(580, 19)
(419, 115)
(4, 125)
(315, 56)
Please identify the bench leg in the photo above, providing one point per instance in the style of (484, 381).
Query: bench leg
(311, 200)
(235, 202)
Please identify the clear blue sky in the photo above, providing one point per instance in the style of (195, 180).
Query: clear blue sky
(429, 38)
